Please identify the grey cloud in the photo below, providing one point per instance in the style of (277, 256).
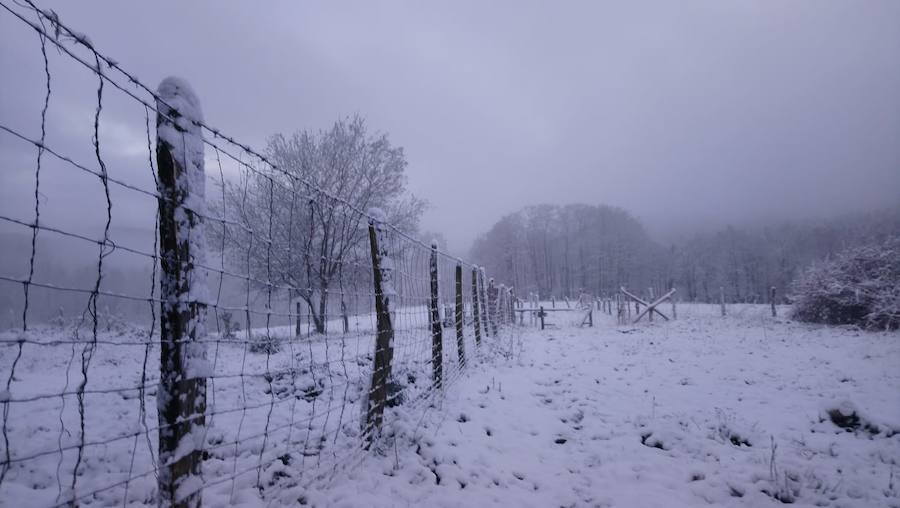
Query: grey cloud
(685, 113)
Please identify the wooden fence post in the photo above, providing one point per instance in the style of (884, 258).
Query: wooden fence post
(541, 315)
(772, 299)
(722, 299)
(485, 303)
(437, 338)
(499, 302)
(512, 306)
(181, 398)
(460, 339)
(492, 296)
(476, 312)
(382, 275)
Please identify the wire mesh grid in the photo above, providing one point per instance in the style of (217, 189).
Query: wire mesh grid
(290, 308)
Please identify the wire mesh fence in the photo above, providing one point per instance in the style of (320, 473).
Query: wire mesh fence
(274, 326)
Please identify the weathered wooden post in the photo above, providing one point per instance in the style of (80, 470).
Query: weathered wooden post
(383, 278)
(181, 398)
(437, 339)
(541, 315)
(476, 312)
(485, 303)
(460, 339)
(772, 300)
(499, 303)
(620, 309)
(492, 297)
(590, 318)
(553, 301)
(722, 299)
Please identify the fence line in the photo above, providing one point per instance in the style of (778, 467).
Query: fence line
(327, 323)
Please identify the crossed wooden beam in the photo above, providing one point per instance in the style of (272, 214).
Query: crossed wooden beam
(649, 307)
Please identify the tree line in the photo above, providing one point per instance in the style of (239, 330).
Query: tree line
(562, 251)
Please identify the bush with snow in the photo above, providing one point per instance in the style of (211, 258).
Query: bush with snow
(859, 286)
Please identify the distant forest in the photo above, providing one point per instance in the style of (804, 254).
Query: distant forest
(561, 251)
(556, 251)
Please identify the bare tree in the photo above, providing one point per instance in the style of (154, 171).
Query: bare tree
(300, 224)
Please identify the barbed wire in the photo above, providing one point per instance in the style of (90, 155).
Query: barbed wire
(291, 365)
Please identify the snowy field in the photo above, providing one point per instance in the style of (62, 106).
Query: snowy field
(733, 411)
(744, 410)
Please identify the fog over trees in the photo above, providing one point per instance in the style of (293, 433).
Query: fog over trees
(564, 250)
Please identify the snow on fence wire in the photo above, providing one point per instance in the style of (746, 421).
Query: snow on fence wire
(245, 375)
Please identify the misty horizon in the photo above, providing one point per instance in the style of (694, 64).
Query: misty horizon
(718, 118)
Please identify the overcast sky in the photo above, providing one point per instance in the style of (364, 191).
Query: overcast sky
(685, 113)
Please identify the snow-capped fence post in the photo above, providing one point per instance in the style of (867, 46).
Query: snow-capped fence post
(476, 312)
(181, 398)
(382, 276)
(772, 300)
(437, 339)
(722, 299)
(460, 338)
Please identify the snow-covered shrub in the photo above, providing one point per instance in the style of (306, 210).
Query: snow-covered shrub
(861, 286)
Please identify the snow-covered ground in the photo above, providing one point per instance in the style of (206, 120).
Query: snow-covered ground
(733, 411)
(705, 410)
